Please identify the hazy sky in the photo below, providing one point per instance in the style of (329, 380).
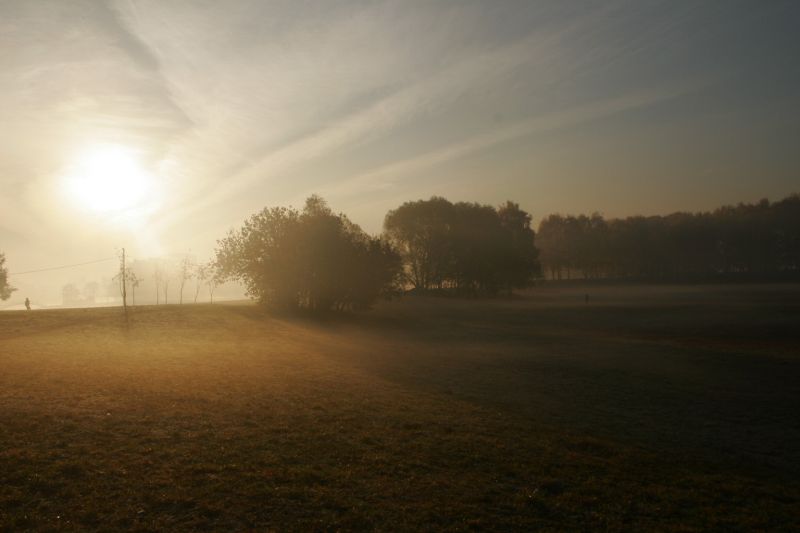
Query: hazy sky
(623, 108)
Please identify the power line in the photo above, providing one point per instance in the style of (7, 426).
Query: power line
(62, 266)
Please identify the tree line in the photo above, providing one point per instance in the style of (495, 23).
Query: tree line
(746, 241)
(312, 259)
(318, 260)
(466, 247)
(183, 278)
(161, 280)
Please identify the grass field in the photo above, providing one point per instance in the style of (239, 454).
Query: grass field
(650, 408)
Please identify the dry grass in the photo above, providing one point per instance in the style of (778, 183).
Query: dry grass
(647, 409)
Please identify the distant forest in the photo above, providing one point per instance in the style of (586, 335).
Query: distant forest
(758, 241)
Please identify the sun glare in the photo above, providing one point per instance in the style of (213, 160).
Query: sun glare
(108, 178)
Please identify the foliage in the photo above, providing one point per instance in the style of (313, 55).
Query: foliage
(312, 259)
(419, 230)
(466, 246)
(211, 275)
(521, 262)
(5, 288)
(757, 240)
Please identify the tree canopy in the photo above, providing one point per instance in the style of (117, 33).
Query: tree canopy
(759, 240)
(311, 259)
(5, 288)
(469, 247)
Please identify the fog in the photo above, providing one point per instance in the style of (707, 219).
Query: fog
(198, 116)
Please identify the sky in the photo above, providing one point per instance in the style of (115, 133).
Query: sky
(220, 109)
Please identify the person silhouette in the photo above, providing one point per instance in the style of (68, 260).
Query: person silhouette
(28, 304)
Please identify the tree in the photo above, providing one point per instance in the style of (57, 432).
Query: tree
(520, 260)
(162, 275)
(551, 243)
(70, 295)
(90, 292)
(755, 241)
(311, 259)
(158, 279)
(201, 274)
(165, 286)
(207, 274)
(477, 243)
(186, 270)
(466, 247)
(134, 280)
(214, 278)
(5, 288)
(420, 232)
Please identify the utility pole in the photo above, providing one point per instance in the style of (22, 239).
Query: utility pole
(124, 290)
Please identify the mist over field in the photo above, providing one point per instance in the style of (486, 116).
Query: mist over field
(648, 408)
(399, 266)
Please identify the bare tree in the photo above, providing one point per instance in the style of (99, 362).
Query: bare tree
(201, 274)
(134, 280)
(165, 286)
(163, 277)
(70, 295)
(131, 280)
(214, 278)
(90, 292)
(158, 279)
(185, 273)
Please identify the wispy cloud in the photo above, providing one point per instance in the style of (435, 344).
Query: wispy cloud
(247, 103)
(387, 176)
(76, 72)
(540, 51)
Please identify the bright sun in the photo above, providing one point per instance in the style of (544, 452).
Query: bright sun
(108, 178)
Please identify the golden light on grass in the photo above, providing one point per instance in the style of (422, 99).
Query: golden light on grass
(109, 178)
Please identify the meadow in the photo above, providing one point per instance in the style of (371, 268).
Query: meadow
(648, 408)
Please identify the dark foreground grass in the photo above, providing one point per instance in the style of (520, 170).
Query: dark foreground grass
(648, 409)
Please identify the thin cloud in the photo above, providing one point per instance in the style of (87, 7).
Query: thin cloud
(242, 104)
(540, 51)
(387, 176)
